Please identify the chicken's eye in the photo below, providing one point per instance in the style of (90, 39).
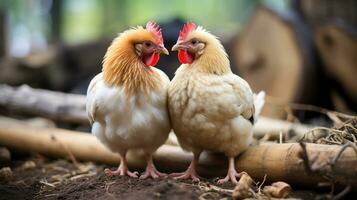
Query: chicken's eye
(194, 42)
(147, 44)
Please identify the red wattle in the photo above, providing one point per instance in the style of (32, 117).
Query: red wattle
(185, 57)
(152, 59)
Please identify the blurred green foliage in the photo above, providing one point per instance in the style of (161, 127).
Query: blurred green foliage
(85, 20)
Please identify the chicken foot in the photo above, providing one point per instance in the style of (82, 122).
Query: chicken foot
(191, 172)
(151, 170)
(232, 174)
(122, 169)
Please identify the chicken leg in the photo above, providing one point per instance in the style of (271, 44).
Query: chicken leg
(151, 170)
(122, 169)
(191, 172)
(232, 174)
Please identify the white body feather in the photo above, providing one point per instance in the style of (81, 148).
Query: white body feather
(211, 112)
(124, 122)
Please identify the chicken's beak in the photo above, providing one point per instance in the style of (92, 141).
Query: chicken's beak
(163, 50)
(178, 46)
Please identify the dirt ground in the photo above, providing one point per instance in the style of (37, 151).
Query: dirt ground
(41, 178)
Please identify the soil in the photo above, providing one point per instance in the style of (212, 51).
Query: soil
(42, 178)
(60, 179)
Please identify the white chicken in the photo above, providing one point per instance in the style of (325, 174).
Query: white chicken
(210, 107)
(127, 102)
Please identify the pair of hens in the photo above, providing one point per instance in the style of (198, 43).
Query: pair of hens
(133, 105)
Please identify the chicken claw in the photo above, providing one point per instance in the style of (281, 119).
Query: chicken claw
(190, 173)
(232, 174)
(151, 171)
(121, 171)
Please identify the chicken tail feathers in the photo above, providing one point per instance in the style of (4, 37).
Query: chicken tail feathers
(259, 101)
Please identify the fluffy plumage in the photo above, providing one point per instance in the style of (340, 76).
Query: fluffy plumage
(122, 67)
(211, 112)
(127, 102)
(210, 107)
(124, 122)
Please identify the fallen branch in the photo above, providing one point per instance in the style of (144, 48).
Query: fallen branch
(66, 107)
(333, 115)
(281, 162)
(275, 127)
(54, 105)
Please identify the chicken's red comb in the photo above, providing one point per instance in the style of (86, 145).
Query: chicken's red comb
(154, 28)
(188, 27)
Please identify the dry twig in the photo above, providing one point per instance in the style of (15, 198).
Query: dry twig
(343, 193)
(261, 184)
(209, 187)
(327, 167)
(305, 107)
(340, 134)
(44, 181)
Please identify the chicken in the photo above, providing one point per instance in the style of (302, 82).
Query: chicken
(210, 107)
(127, 101)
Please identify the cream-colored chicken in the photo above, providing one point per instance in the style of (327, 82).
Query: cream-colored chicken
(127, 102)
(210, 107)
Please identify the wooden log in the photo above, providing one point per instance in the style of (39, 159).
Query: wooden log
(274, 52)
(317, 12)
(58, 67)
(274, 127)
(334, 25)
(337, 45)
(281, 162)
(32, 122)
(71, 108)
(54, 105)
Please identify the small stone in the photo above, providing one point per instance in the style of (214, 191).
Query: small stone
(5, 173)
(5, 156)
(28, 165)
